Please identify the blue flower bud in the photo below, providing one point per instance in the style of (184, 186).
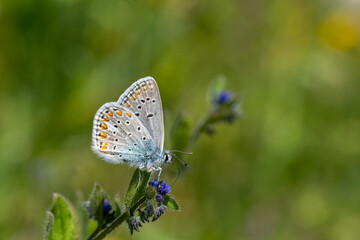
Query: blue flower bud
(154, 183)
(162, 209)
(107, 207)
(136, 223)
(159, 198)
(159, 211)
(133, 224)
(148, 212)
(224, 97)
(164, 188)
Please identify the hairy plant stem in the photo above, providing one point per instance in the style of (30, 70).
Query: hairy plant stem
(198, 130)
(119, 220)
(196, 133)
(94, 233)
(215, 115)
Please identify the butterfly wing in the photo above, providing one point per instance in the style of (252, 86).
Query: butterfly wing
(143, 98)
(119, 136)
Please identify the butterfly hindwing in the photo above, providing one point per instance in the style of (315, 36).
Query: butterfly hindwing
(143, 99)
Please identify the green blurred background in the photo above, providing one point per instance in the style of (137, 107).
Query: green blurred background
(289, 169)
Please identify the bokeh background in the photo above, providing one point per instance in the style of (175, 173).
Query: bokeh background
(289, 169)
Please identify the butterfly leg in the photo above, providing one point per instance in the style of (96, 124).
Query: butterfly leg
(158, 169)
(142, 167)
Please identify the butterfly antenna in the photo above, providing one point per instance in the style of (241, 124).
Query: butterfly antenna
(187, 153)
(183, 163)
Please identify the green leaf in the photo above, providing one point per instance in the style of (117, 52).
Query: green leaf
(61, 222)
(130, 226)
(217, 86)
(134, 183)
(99, 213)
(155, 218)
(95, 204)
(97, 197)
(49, 225)
(171, 203)
(142, 188)
(151, 192)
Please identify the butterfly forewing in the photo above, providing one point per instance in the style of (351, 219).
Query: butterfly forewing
(143, 99)
(119, 136)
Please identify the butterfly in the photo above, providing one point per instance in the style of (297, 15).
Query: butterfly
(131, 130)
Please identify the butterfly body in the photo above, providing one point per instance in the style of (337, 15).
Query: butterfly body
(131, 130)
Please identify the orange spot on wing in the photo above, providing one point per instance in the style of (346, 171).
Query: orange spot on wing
(103, 127)
(110, 114)
(104, 147)
(145, 88)
(133, 97)
(138, 92)
(128, 104)
(119, 113)
(128, 114)
(106, 119)
(103, 135)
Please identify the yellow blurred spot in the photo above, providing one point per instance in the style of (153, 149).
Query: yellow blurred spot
(103, 127)
(119, 113)
(310, 209)
(340, 31)
(138, 92)
(106, 119)
(133, 97)
(128, 104)
(110, 114)
(145, 88)
(346, 227)
(103, 135)
(128, 114)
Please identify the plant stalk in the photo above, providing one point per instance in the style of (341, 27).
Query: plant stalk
(197, 131)
(119, 220)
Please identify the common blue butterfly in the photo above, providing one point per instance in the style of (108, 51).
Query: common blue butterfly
(131, 130)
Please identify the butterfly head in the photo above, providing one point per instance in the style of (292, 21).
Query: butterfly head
(168, 157)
